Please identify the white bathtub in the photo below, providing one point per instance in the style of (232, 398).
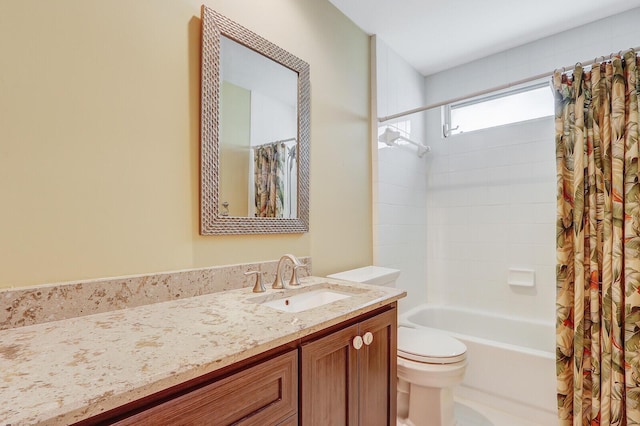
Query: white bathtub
(511, 361)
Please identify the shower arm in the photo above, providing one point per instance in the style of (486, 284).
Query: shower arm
(422, 149)
(390, 137)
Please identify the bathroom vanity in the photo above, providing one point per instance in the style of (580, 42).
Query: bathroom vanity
(339, 382)
(359, 378)
(227, 356)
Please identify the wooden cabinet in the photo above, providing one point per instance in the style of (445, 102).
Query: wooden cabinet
(339, 384)
(329, 380)
(349, 376)
(264, 394)
(378, 370)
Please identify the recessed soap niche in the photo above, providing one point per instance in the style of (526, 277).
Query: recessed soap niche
(520, 277)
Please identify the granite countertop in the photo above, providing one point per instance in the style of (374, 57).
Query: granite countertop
(64, 371)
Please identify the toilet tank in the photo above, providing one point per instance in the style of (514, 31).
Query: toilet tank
(375, 275)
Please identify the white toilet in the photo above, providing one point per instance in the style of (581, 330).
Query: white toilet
(430, 363)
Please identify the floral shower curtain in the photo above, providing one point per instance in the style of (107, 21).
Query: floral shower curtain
(269, 179)
(598, 243)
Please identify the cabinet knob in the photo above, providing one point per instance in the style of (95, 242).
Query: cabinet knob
(368, 338)
(357, 342)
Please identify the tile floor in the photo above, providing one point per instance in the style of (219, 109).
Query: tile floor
(471, 413)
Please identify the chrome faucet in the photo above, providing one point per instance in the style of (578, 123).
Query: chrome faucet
(278, 282)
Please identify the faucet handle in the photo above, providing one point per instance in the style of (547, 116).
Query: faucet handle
(294, 275)
(259, 285)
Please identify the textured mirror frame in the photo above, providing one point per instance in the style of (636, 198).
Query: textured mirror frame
(211, 223)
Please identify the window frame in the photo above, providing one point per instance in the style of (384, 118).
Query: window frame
(523, 88)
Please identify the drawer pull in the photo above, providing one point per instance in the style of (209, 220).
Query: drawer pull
(357, 342)
(368, 338)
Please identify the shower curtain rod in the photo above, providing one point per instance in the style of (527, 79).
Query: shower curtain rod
(501, 87)
(271, 143)
(285, 140)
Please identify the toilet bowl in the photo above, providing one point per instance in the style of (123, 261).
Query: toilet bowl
(430, 363)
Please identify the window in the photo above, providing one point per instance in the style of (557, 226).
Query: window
(500, 108)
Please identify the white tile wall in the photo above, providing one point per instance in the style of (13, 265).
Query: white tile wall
(401, 183)
(485, 201)
(492, 209)
(503, 179)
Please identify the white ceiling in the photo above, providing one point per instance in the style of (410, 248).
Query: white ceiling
(433, 35)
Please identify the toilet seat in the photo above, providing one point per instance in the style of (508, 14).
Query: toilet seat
(429, 346)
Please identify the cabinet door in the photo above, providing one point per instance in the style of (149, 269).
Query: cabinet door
(291, 421)
(378, 369)
(329, 382)
(265, 394)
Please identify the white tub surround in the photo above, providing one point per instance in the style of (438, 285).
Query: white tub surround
(510, 361)
(63, 371)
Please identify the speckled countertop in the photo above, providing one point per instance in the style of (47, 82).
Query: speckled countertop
(64, 371)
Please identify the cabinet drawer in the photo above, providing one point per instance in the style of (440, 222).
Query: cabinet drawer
(265, 394)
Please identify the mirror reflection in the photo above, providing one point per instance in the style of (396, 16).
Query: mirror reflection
(254, 135)
(258, 144)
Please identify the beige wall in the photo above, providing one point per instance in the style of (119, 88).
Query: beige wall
(99, 137)
(235, 138)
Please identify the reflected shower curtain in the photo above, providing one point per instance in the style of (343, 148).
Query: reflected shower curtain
(598, 243)
(269, 169)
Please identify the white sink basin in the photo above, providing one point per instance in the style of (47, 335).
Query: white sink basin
(304, 301)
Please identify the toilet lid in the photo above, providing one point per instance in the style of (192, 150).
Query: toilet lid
(429, 346)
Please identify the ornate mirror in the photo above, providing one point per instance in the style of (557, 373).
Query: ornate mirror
(255, 115)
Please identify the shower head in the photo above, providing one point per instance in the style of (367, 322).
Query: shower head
(390, 136)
